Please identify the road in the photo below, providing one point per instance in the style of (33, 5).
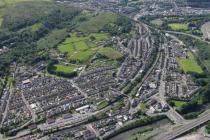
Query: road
(193, 36)
(29, 108)
(7, 105)
(172, 114)
(149, 71)
(78, 88)
(185, 128)
(76, 120)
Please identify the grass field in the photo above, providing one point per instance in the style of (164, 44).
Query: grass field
(97, 22)
(178, 103)
(190, 64)
(65, 69)
(83, 56)
(99, 36)
(117, 105)
(178, 26)
(102, 105)
(81, 48)
(157, 22)
(110, 53)
(36, 27)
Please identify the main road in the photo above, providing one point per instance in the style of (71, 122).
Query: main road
(185, 128)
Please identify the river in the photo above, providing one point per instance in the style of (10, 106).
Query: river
(157, 128)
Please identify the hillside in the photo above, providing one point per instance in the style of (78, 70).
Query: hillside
(30, 30)
(8, 2)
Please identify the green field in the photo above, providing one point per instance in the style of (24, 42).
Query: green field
(81, 48)
(178, 26)
(157, 22)
(178, 103)
(99, 36)
(83, 56)
(102, 105)
(117, 105)
(110, 53)
(65, 69)
(97, 22)
(36, 27)
(190, 64)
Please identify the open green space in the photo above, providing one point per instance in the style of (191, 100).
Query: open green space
(190, 64)
(102, 105)
(110, 53)
(118, 105)
(36, 27)
(143, 107)
(178, 26)
(81, 47)
(99, 36)
(83, 56)
(102, 62)
(65, 69)
(97, 22)
(157, 22)
(178, 103)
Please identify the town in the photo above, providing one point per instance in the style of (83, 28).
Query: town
(136, 83)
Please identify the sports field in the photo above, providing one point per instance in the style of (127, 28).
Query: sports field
(178, 26)
(65, 69)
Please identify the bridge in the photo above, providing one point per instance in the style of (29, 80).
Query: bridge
(185, 128)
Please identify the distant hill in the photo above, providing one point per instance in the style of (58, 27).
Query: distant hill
(6, 2)
(199, 3)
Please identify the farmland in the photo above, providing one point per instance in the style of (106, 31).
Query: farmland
(81, 47)
(110, 53)
(190, 64)
(97, 22)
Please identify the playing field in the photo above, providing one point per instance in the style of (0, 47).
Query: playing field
(65, 69)
(190, 64)
(178, 26)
